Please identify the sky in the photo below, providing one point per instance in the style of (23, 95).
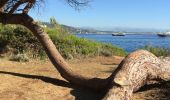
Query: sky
(108, 13)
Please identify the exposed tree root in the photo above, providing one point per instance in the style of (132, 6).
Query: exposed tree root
(136, 70)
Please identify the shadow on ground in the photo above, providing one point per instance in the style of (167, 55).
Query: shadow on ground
(77, 92)
(163, 88)
(157, 91)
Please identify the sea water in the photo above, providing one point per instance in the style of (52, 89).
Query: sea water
(130, 42)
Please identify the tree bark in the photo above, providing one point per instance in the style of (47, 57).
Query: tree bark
(136, 70)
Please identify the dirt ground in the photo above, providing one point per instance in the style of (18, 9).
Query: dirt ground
(39, 80)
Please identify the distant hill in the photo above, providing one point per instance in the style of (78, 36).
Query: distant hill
(88, 30)
(78, 30)
(71, 29)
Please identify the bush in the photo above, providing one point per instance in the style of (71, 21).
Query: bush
(75, 46)
(158, 51)
(20, 58)
(106, 53)
(19, 40)
(114, 50)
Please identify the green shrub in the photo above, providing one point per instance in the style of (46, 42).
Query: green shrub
(113, 49)
(68, 56)
(106, 53)
(20, 58)
(75, 46)
(19, 40)
(158, 51)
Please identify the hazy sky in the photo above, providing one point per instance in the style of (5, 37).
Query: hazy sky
(109, 13)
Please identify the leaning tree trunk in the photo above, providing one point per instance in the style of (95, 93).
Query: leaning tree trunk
(59, 63)
(137, 69)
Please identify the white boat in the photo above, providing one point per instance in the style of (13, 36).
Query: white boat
(118, 34)
(164, 34)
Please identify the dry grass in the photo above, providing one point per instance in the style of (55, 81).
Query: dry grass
(39, 80)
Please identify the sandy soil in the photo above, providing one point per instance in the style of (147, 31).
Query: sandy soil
(39, 80)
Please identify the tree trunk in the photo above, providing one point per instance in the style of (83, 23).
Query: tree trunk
(60, 64)
(136, 70)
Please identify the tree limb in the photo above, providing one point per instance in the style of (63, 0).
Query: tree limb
(2, 4)
(28, 6)
(14, 8)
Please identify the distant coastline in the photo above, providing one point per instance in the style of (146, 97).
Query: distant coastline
(106, 32)
(88, 30)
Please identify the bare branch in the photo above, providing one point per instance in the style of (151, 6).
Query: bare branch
(29, 6)
(2, 4)
(77, 3)
(15, 7)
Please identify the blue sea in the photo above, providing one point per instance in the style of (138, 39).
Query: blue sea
(130, 42)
